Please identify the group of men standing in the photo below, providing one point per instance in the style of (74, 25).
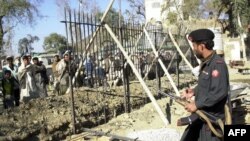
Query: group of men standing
(62, 70)
(24, 82)
(29, 79)
(211, 94)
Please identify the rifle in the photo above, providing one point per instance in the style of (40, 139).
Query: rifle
(207, 117)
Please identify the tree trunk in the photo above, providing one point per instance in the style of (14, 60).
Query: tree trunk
(1, 33)
(242, 37)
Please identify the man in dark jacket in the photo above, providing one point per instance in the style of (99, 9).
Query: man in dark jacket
(212, 89)
(13, 69)
(41, 77)
(8, 89)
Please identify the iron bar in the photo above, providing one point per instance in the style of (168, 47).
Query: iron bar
(70, 80)
(162, 64)
(80, 32)
(158, 79)
(93, 36)
(179, 50)
(76, 38)
(177, 69)
(158, 109)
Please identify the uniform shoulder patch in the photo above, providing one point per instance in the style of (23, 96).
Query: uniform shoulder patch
(215, 73)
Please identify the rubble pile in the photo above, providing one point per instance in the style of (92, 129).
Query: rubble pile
(240, 101)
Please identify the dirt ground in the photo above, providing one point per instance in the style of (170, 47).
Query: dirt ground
(50, 118)
(146, 119)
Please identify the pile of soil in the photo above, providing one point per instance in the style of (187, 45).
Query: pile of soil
(50, 118)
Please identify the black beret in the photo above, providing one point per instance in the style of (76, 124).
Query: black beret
(201, 35)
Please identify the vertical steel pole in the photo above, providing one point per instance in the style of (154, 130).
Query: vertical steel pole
(157, 66)
(75, 49)
(124, 71)
(127, 93)
(80, 31)
(177, 69)
(70, 80)
(93, 80)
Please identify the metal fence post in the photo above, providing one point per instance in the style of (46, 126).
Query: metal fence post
(125, 77)
(158, 75)
(70, 78)
(177, 69)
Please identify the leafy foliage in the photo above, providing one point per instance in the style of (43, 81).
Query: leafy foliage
(25, 44)
(112, 18)
(191, 8)
(238, 12)
(172, 17)
(13, 12)
(55, 42)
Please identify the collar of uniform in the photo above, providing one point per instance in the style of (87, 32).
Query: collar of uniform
(208, 59)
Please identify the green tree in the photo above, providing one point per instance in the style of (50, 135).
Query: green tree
(14, 12)
(189, 8)
(238, 12)
(172, 17)
(25, 44)
(55, 42)
(112, 18)
(239, 17)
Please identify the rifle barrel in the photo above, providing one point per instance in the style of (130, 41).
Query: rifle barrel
(178, 100)
(169, 95)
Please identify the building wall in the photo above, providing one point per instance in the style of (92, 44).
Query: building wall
(153, 9)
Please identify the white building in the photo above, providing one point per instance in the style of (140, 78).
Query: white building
(153, 9)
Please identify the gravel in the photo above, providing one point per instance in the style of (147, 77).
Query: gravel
(164, 134)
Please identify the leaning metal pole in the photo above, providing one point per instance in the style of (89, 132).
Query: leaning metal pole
(89, 44)
(161, 63)
(158, 109)
(151, 65)
(179, 50)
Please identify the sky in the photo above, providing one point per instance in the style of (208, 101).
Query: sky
(51, 22)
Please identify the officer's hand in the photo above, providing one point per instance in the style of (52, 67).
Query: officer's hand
(187, 94)
(191, 107)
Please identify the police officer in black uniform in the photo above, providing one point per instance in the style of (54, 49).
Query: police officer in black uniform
(212, 90)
